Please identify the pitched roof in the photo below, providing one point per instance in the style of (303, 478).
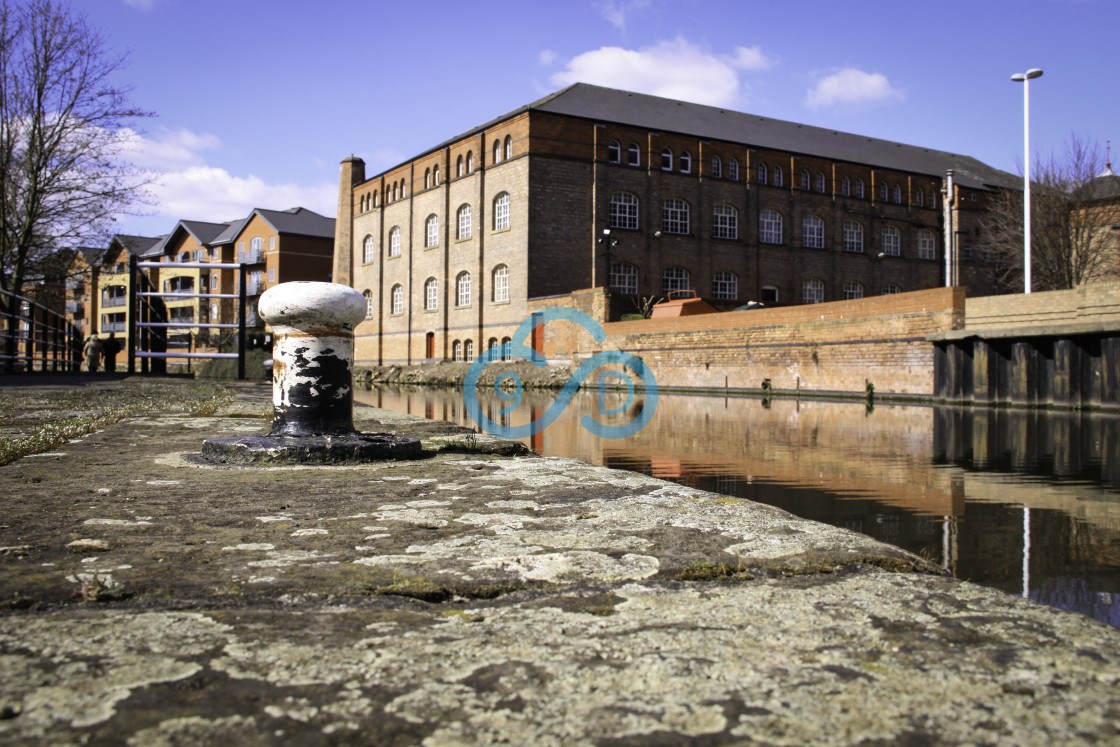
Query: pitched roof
(1105, 186)
(230, 233)
(203, 232)
(299, 221)
(668, 115)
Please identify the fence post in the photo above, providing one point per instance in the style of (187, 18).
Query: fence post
(241, 324)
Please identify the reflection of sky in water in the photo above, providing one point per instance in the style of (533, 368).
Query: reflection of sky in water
(995, 496)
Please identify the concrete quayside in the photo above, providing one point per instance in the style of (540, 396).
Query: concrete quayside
(471, 597)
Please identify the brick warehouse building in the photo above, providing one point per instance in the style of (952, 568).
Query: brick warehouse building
(455, 247)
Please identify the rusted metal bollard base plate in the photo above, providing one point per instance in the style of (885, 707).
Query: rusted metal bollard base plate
(313, 449)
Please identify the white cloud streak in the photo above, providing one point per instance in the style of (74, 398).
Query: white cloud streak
(851, 86)
(674, 69)
(616, 12)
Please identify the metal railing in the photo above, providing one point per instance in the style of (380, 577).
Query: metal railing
(33, 336)
(152, 331)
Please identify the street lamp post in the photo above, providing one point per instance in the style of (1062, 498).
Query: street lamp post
(1025, 79)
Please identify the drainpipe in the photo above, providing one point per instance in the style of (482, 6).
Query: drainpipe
(950, 236)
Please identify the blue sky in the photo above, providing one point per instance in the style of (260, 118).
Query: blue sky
(258, 101)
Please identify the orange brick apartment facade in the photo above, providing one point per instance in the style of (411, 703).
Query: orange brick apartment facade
(450, 247)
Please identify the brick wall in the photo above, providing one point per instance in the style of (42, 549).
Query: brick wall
(1089, 304)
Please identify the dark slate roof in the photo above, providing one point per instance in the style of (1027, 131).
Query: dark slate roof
(668, 115)
(93, 254)
(298, 221)
(203, 233)
(232, 229)
(136, 245)
(1106, 186)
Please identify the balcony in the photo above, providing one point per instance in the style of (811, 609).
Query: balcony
(112, 326)
(75, 307)
(114, 302)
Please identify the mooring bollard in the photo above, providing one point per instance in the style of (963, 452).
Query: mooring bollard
(312, 388)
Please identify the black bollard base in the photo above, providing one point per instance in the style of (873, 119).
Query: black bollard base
(353, 448)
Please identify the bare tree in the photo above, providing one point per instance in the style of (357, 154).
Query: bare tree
(63, 122)
(1070, 224)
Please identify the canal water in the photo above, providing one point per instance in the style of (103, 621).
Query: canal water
(1023, 501)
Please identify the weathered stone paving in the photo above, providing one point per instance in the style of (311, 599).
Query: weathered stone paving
(475, 598)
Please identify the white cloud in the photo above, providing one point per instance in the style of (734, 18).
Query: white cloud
(168, 150)
(547, 57)
(851, 86)
(675, 69)
(616, 11)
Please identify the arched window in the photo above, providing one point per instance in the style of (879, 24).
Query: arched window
(725, 222)
(883, 192)
(456, 351)
(509, 147)
(463, 219)
(733, 170)
(501, 211)
(624, 277)
(812, 291)
(812, 232)
(920, 197)
(404, 189)
(623, 211)
(431, 231)
(470, 161)
(435, 176)
(725, 285)
(852, 291)
(686, 162)
(396, 298)
(675, 278)
(367, 249)
(892, 241)
(634, 155)
(666, 160)
(431, 294)
(427, 178)
(459, 166)
(932, 197)
(761, 173)
(674, 216)
(859, 188)
(805, 180)
(507, 348)
(890, 289)
(394, 242)
(897, 195)
(368, 294)
(853, 236)
(499, 284)
(468, 351)
(778, 176)
(497, 151)
(820, 182)
(614, 152)
(463, 289)
(845, 186)
(717, 167)
(770, 227)
(927, 244)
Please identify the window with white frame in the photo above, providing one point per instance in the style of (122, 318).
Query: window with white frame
(890, 289)
(368, 249)
(271, 243)
(812, 232)
(812, 291)
(820, 182)
(927, 244)
(468, 350)
(614, 152)
(459, 166)
(431, 294)
(463, 216)
(852, 291)
(770, 227)
(463, 289)
(499, 286)
(733, 170)
(404, 189)
(509, 147)
(892, 241)
(920, 197)
(456, 351)
(778, 176)
(271, 275)
(395, 241)
(634, 154)
(497, 151)
(725, 222)
(761, 173)
(255, 249)
(431, 231)
(845, 186)
(717, 167)
(623, 210)
(470, 161)
(674, 216)
(396, 297)
(435, 176)
(725, 285)
(883, 191)
(675, 278)
(507, 348)
(897, 195)
(853, 236)
(805, 180)
(686, 162)
(624, 277)
(859, 188)
(501, 212)
(666, 160)
(368, 294)
(932, 197)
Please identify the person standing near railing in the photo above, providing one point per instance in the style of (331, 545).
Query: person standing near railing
(92, 352)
